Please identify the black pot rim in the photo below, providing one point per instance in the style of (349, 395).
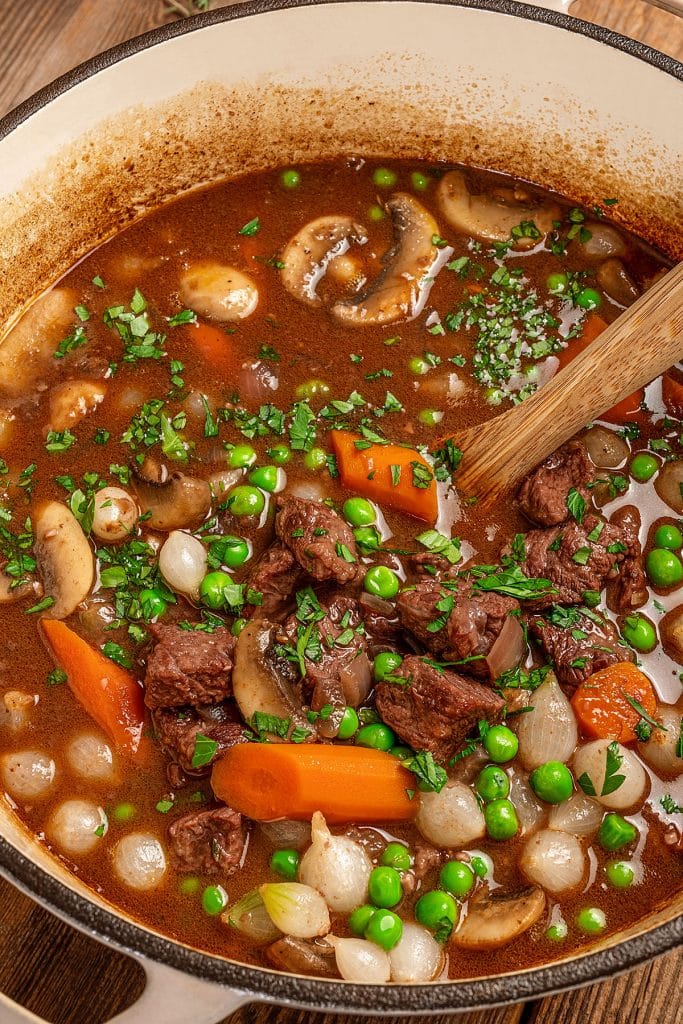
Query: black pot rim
(258, 983)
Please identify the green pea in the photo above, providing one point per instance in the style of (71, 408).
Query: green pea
(377, 736)
(430, 417)
(492, 783)
(480, 865)
(382, 582)
(418, 366)
(188, 886)
(290, 178)
(124, 812)
(396, 855)
(419, 181)
(384, 928)
(212, 589)
(557, 932)
(315, 460)
(664, 568)
(619, 873)
(312, 389)
(280, 454)
(383, 177)
(668, 536)
(348, 726)
(501, 819)
(500, 743)
(214, 900)
(367, 538)
(268, 478)
(285, 863)
(376, 213)
(385, 664)
(457, 878)
(435, 909)
(384, 887)
(238, 625)
(552, 782)
(557, 284)
(359, 512)
(240, 456)
(402, 753)
(246, 501)
(360, 919)
(591, 920)
(639, 633)
(643, 467)
(588, 298)
(615, 832)
(234, 551)
(152, 603)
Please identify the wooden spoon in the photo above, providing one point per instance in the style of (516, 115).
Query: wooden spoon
(643, 342)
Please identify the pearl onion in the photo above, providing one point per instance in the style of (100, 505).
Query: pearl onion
(77, 826)
(182, 562)
(140, 861)
(27, 775)
(116, 514)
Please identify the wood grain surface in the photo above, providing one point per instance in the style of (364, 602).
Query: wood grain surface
(46, 965)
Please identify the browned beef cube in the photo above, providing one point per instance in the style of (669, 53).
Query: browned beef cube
(458, 623)
(276, 577)
(543, 494)
(629, 590)
(187, 666)
(575, 558)
(208, 842)
(578, 644)
(435, 710)
(322, 542)
(177, 730)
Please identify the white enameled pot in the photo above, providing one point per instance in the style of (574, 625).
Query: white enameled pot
(500, 84)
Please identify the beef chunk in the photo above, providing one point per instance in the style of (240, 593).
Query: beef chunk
(629, 590)
(578, 644)
(177, 730)
(575, 558)
(187, 666)
(427, 563)
(435, 710)
(471, 621)
(543, 494)
(208, 842)
(323, 544)
(381, 622)
(276, 578)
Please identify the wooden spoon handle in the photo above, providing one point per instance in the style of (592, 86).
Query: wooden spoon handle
(636, 348)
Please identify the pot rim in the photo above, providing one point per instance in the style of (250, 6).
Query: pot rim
(286, 989)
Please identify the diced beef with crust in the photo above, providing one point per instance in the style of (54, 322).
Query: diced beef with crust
(381, 622)
(543, 494)
(456, 622)
(177, 730)
(435, 709)
(578, 645)
(629, 590)
(276, 577)
(575, 558)
(322, 543)
(208, 842)
(187, 666)
(430, 564)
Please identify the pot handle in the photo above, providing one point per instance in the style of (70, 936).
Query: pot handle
(169, 996)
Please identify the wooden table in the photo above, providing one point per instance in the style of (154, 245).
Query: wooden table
(48, 966)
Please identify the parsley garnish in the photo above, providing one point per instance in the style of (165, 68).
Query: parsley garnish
(205, 750)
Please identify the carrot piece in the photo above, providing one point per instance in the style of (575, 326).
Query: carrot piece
(627, 409)
(384, 473)
(215, 348)
(672, 393)
(266, 781)
(108, 692)
(602, 706)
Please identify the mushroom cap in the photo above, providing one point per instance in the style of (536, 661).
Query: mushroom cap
(174, 501)
(488, 217)
(308, 254)
(263, 681)
(495, 921)
(64, 556)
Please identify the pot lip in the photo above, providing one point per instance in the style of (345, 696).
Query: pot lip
(248, 9)
(293, 990)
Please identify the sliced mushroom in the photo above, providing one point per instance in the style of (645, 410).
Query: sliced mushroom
(218, 291)
(411, 265)
(73, 400)
(309, 254)
(25, 350)
(299, 956)
(174, 501)
(492, 217)
(264, 680)
(615, 280)
(495, 921)
(64, 557)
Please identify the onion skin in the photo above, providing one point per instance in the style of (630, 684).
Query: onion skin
(660, 750)
(554, 860)
(549, 732)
